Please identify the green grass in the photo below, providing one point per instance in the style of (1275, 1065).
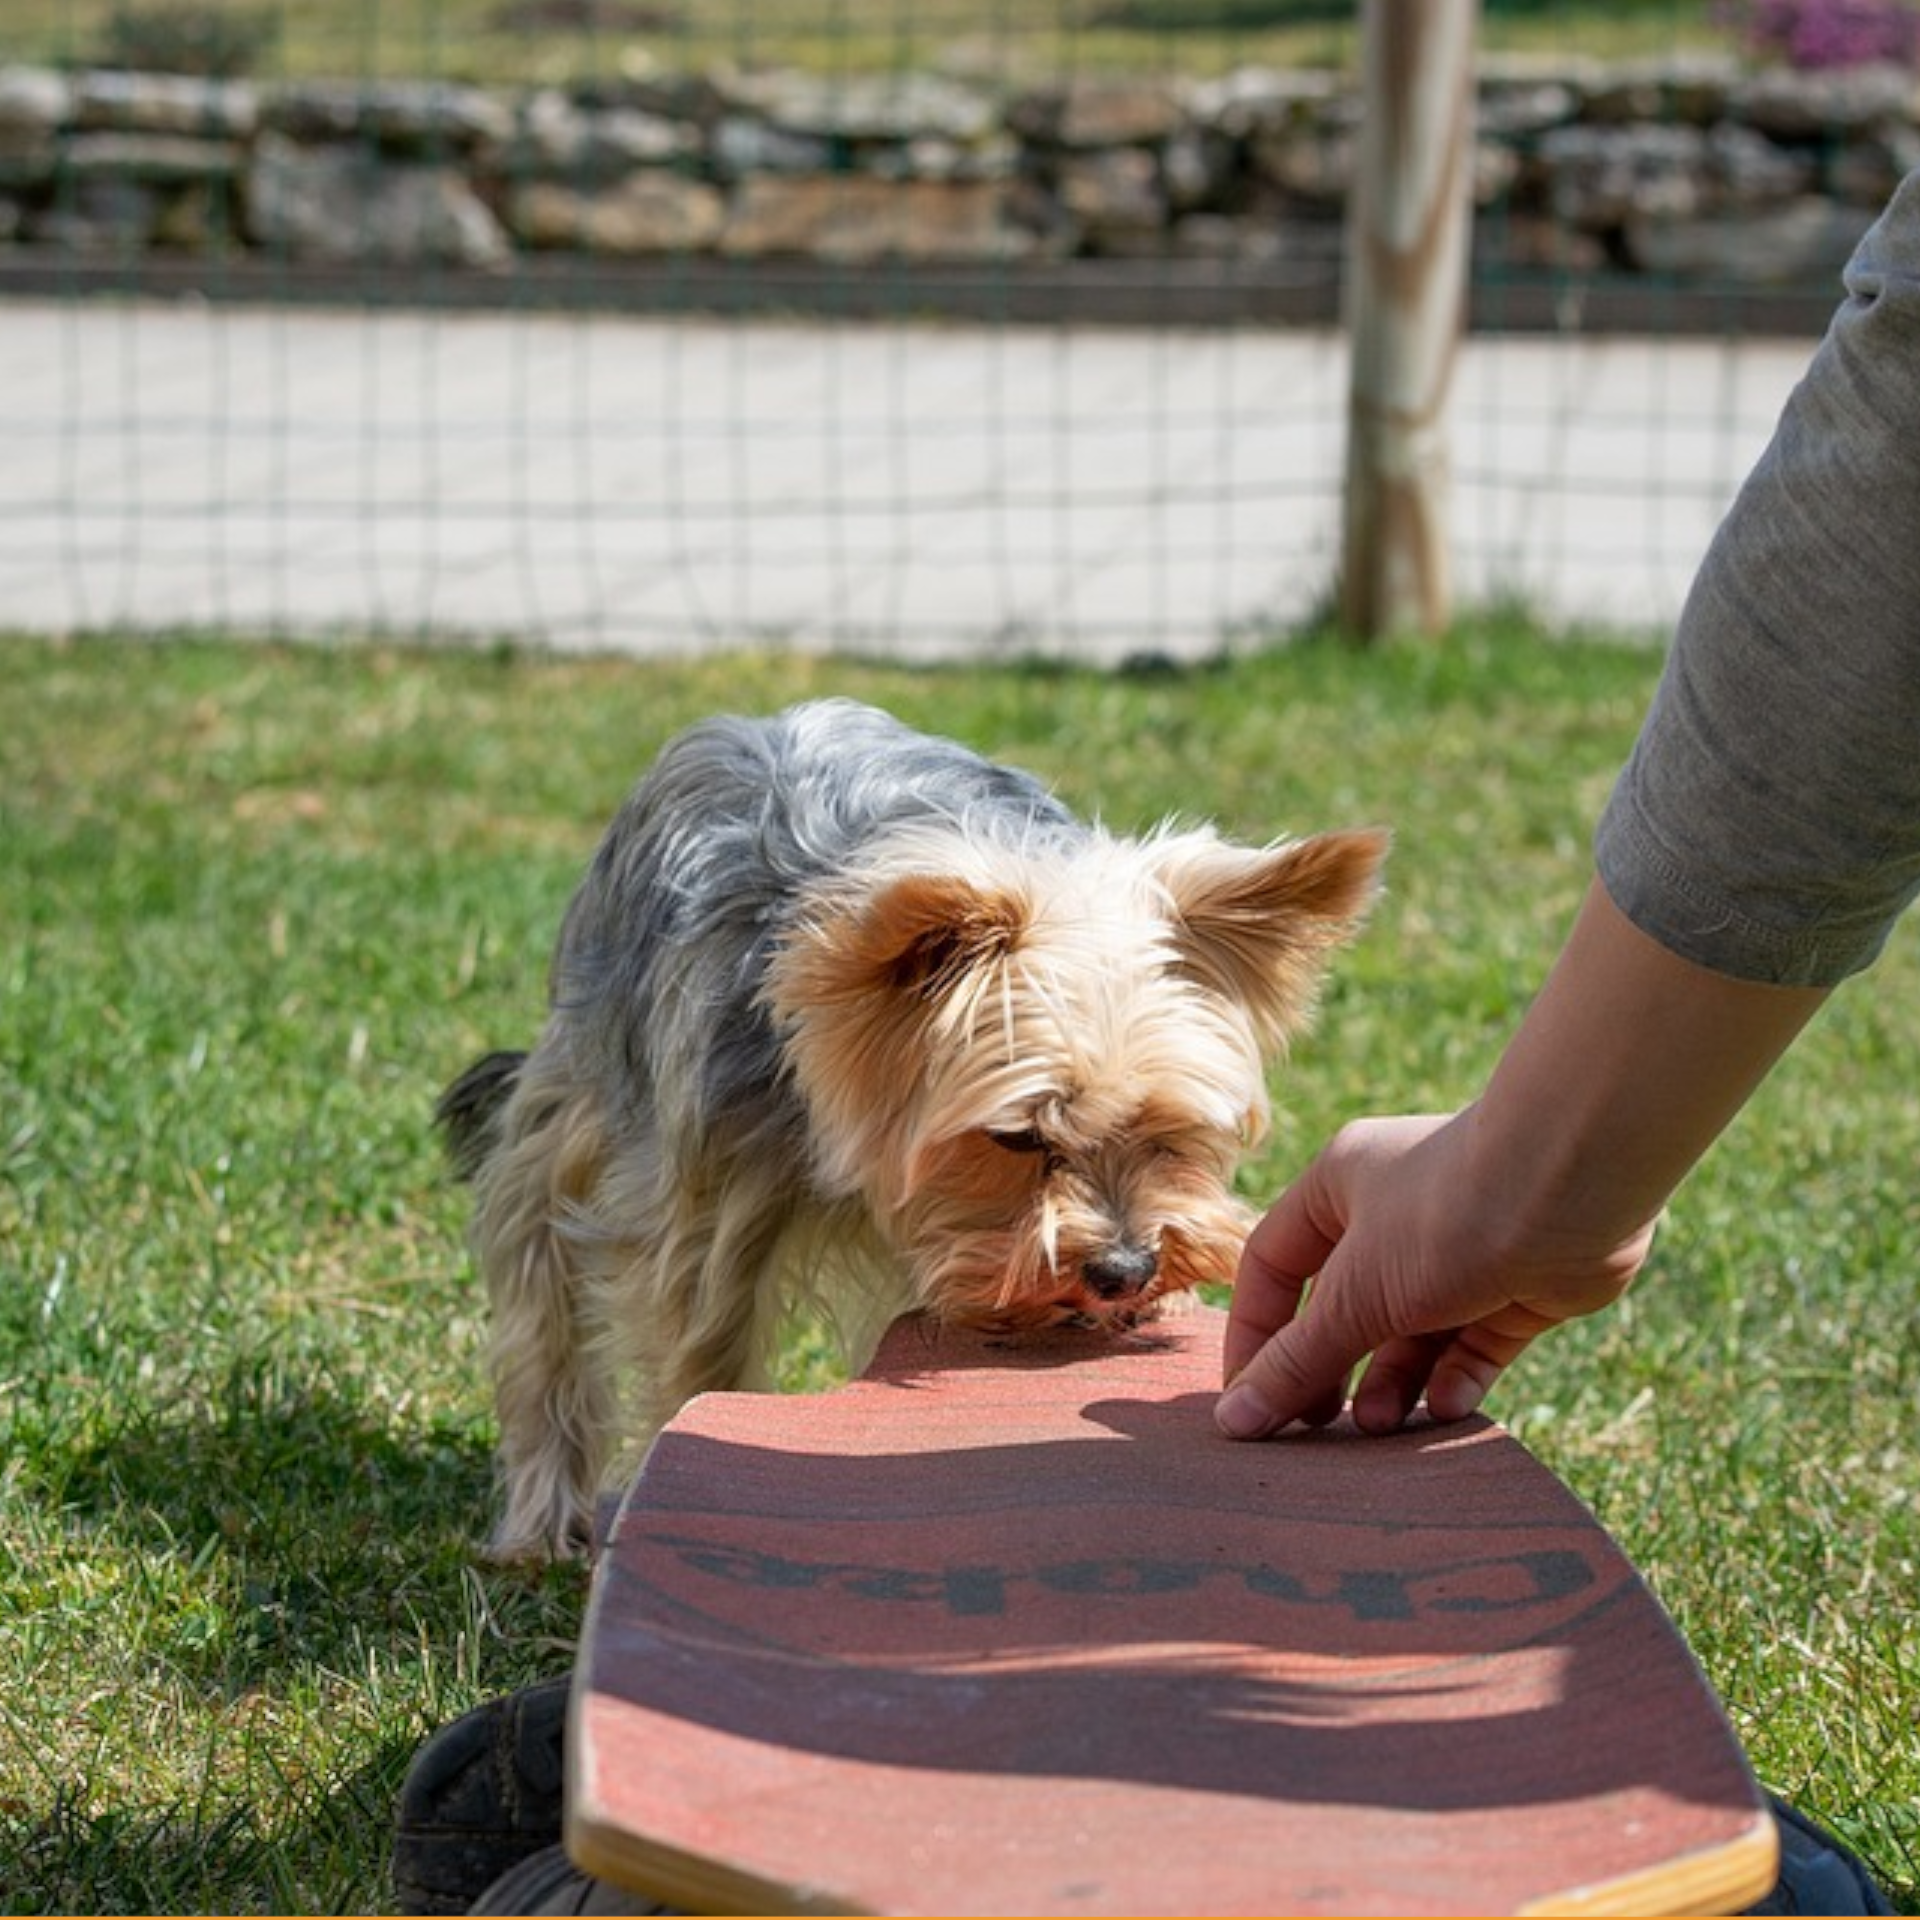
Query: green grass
(557, 41)
(257, 905)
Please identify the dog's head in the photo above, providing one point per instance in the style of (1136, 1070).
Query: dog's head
(1038, 1071)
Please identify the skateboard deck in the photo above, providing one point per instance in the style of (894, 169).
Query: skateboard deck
(1004, 1626)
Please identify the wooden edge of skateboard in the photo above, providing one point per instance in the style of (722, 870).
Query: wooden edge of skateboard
(1725, 1879)
(682, 1882)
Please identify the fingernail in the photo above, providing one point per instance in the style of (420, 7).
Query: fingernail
(1241, 1414)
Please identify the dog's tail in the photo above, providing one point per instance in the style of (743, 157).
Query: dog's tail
(469, 1111)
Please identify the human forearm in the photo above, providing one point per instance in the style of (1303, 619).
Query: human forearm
(1627, 1067)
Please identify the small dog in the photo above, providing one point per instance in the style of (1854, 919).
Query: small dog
(846, 1014)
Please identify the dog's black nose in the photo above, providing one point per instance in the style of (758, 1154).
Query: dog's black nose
(1115, 1272)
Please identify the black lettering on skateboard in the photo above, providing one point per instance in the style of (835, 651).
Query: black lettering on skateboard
(1483, 1584)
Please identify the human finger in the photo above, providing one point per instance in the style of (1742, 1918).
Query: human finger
(1397, 1375)
(1476, 1356)
(1300, 1373)
(1286, 1248)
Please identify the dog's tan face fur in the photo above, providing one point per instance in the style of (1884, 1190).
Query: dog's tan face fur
(1038, 1075)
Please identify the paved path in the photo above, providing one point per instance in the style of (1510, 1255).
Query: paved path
(918, 491)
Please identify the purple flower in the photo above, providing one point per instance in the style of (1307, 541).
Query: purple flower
(1826, 33)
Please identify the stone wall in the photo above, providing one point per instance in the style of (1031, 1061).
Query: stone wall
(1695, 170)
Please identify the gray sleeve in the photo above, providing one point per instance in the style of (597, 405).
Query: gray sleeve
(1768, 822)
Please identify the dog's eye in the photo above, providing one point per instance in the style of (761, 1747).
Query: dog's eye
(1019, 1140)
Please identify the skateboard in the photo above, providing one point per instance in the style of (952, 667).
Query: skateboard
(1005, 1626)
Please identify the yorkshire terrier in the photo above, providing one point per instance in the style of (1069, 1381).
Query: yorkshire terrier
(843, 1014)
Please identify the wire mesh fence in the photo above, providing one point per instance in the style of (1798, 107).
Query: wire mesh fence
(1100, 416)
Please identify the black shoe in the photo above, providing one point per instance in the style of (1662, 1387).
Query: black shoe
(548, 1883)
(482, 1795)
(1817, 1874)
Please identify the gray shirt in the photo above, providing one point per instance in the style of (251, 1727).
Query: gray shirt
(1767, 824)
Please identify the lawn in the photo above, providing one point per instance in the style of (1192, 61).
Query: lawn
(257, 905)
(561, 41)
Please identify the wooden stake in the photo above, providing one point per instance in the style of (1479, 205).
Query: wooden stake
(1408, 230)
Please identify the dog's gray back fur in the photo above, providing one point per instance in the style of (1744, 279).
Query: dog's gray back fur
(664, 951)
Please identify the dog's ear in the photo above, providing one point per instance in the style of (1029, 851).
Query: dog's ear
(855, 990)
(855, 986)
(930, 931)
(915, 936)
(1256, 925)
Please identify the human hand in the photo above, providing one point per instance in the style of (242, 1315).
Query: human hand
(1420, 1253)
(1444, 1246)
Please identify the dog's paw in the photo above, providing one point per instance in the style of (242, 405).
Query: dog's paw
(511, 1545)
